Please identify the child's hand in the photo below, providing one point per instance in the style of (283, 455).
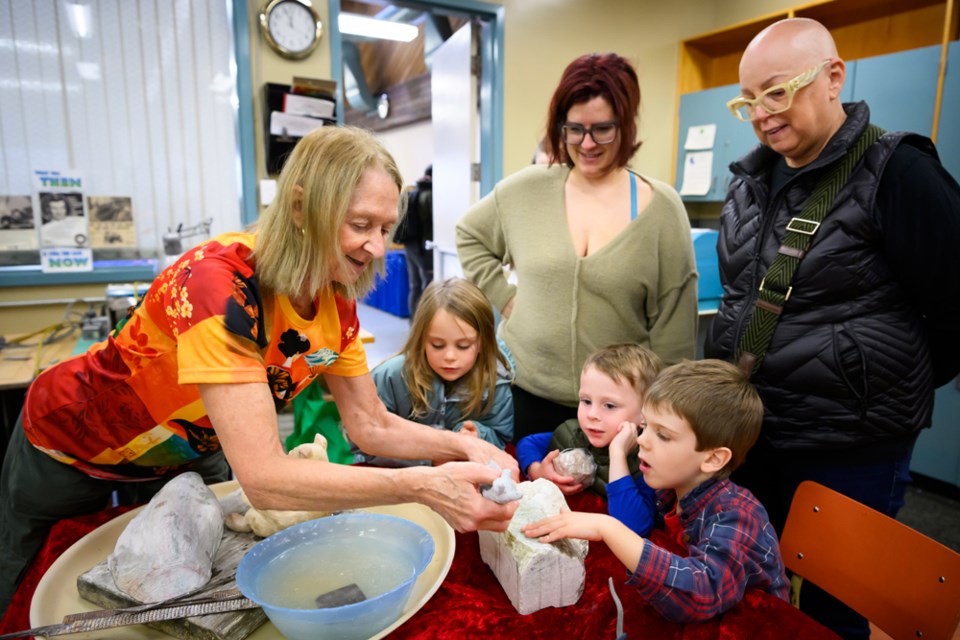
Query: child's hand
(469, 428)
(545, 469)
(626, 439)
(568, 524)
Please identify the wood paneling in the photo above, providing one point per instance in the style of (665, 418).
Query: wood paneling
(409, 102)
(861, 28)
(396, 68)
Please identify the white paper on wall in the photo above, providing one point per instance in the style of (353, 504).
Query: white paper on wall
(700, 137)
(697, 173)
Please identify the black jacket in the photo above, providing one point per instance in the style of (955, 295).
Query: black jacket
(849, 364)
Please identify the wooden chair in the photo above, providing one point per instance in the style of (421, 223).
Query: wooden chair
(905, 583)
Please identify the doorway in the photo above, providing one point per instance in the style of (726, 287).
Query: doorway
(489, 19)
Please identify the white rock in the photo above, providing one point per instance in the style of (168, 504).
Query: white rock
(533, 574)
(168, 549)
(578, 464)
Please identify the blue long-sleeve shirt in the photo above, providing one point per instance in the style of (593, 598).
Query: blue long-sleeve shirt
(629, 499)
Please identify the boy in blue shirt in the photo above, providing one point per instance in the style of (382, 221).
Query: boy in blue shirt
(612, 383)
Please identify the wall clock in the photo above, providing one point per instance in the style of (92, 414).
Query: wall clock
(292, 28)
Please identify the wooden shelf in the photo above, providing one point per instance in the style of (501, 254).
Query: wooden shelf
(861, 28)
(866, 28)
(713, 59)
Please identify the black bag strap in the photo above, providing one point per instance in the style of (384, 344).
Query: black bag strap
(775, 288)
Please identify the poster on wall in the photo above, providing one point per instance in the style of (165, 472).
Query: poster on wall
(18, 231)
(63, 221)
(111, 222)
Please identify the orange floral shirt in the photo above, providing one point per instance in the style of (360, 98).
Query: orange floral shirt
(130, 407)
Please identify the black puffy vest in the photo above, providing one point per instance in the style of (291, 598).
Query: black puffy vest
(849, 362)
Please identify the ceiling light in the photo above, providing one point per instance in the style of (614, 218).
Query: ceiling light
(78, 15)
(357, 25)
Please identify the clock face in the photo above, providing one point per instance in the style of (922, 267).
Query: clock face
(291, 27)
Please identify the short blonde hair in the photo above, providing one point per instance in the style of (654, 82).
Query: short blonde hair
(717, 400)
(327, 164)
(463, 300)
(627, 361)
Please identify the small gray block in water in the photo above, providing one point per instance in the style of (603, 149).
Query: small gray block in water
(350, 594)
(535, 575)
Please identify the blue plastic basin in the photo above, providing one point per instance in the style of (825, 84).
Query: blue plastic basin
(400, 546)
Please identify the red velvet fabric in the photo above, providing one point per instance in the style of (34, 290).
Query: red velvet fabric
(62, 536)
(471, 604)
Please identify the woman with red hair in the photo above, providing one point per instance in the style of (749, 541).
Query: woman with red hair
(602, 254)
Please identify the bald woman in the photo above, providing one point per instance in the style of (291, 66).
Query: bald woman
(871, 324)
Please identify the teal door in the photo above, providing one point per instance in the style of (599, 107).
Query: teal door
(900, 89)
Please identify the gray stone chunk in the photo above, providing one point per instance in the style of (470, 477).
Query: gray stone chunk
(168, 549)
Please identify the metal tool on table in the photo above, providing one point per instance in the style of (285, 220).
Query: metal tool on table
(173, 239)
(616, 600)
(215, 602)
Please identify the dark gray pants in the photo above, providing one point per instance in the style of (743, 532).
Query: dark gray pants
(36, 491)
(419, 272)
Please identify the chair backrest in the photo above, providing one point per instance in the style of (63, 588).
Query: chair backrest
(905, 583)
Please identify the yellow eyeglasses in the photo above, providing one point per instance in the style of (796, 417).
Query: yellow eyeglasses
(776, 99)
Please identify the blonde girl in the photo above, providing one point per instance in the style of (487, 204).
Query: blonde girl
(452, 373)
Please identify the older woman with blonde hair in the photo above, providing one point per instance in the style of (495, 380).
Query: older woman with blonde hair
(224, 338)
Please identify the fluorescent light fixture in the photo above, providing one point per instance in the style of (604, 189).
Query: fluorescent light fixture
(357, 25)
(79, 17)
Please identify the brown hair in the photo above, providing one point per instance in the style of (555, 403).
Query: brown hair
(327, 164)
(717, 400)
(465, 301)
(609, 76)
(627, 361)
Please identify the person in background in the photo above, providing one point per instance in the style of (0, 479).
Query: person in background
(451, 373)
(541, 155)
(223, 339)
(601, 254)
(700, 420)
(413, 232)
(612, 385)
(871, 325)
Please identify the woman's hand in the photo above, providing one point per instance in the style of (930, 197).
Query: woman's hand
(478, 450)
(468, 428)
(452, 490)
(545, 469)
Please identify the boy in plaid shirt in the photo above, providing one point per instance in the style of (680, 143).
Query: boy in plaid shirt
(715, 540)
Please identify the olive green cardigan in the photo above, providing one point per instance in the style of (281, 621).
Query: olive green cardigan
(639, 287)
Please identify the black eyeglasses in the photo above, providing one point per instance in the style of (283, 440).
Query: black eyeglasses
(602, 132)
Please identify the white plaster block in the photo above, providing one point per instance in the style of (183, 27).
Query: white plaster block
(535, 575)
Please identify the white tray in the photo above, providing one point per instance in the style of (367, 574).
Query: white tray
(56, 595)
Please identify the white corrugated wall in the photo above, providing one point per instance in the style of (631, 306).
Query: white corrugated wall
(136, 95)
